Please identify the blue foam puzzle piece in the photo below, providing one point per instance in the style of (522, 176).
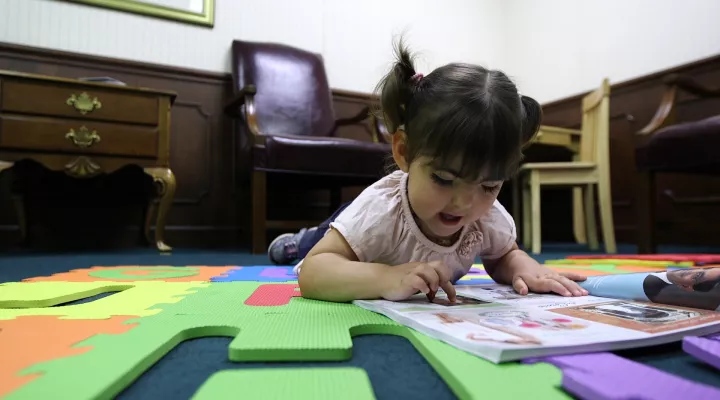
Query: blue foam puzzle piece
(474, 281)
(258, 273)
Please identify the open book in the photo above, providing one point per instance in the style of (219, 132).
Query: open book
(494, 322)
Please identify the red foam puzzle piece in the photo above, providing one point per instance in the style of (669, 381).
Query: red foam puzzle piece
(273, 294)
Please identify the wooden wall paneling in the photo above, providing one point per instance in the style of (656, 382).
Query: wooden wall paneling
(688, 206)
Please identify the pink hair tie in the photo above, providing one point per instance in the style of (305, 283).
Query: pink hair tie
(416, 78)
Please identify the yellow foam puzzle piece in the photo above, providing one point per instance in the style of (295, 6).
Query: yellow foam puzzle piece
(132, 298)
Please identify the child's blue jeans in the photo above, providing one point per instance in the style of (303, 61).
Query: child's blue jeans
(308, 241)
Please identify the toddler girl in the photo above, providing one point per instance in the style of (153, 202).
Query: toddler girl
(458, 133)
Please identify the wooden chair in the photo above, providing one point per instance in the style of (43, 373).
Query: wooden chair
(591, 169)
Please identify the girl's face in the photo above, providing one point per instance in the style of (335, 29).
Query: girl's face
(442, 202)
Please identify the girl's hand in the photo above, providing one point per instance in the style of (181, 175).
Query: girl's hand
(521, 271)
(537, 278)
(404, 281)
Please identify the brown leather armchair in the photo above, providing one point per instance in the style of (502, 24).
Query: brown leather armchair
(665, 145)
(288, 132)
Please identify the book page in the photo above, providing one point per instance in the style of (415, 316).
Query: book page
(495, 322)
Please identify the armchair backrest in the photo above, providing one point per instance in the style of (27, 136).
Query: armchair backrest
(293, 95)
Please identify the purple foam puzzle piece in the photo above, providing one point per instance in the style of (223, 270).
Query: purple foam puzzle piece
(606, 376)
(278, 273)
(706, 350)
(475, 281)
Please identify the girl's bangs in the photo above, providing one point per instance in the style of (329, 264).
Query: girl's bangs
(476, 150)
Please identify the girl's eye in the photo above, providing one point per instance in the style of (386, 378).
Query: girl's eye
(441, 181)
(490, 189)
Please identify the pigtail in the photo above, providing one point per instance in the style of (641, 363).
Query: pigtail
(396, 88)
(532, 119)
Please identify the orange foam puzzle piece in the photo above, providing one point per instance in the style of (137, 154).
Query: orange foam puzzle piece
(25, 341)
(204, 274)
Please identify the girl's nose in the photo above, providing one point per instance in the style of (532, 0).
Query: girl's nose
(464, 198)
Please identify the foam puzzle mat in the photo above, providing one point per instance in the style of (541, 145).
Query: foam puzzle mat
(52, 344)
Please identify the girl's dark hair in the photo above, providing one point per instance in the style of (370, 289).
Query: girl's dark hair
(459, 110)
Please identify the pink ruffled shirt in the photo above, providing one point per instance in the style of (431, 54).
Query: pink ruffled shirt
(379, 227)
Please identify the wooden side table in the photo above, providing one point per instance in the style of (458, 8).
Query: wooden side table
(86, 129)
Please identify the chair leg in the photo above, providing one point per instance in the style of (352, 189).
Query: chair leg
(259, 211)
(527, 214)
(645, 213)
(535, 211)
(606, 213)
(590, 223)
(579, 217)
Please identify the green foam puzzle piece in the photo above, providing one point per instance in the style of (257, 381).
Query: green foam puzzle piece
(48, 294)
(132, 299)
(288, 383)
(160, 272)
(471, 377)
(302, 330)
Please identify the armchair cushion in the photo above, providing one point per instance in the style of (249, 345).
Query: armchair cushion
(690, 147)
(322, 155)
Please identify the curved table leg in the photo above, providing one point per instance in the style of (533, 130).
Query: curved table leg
(165, 181)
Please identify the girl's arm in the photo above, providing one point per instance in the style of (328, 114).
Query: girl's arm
(332, 272)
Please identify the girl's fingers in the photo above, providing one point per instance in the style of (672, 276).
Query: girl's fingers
(520, 286)
(419, 283)
(573, 276)
(430, 276)
(572, 286)
(559, 288)
(449, 290)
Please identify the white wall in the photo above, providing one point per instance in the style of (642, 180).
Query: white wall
(557, 48)
(354, 36)
(553, 48)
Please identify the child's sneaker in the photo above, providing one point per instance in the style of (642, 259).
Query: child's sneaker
(284, 249)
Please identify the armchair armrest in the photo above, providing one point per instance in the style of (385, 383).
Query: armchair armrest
(359, 117)
(246, 97)
(364, 114)
(232, 107)
(665, 114)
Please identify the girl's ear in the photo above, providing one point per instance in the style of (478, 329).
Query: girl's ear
(399, 150)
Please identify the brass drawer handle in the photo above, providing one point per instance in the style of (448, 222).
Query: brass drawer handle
(83, 103)
(83, 137)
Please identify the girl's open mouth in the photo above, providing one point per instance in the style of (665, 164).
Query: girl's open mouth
(449, 219)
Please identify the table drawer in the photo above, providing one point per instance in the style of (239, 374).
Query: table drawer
(77, 101)
(77, 136)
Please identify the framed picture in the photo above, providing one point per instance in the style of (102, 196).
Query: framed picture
(199, 12)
